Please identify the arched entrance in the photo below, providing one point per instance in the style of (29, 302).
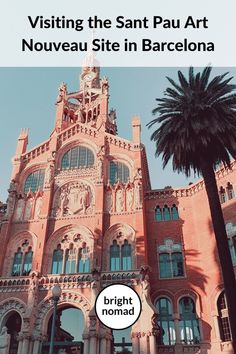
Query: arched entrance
(13, 324)
(68, 331)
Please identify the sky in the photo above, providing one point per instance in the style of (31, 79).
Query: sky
(28, 96)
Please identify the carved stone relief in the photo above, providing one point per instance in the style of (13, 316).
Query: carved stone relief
(49, 174)
(11, 203)
(28, 207)
(108, 201)
(19, 209)
(122, 198)
(137, 195)
(129, 199)
(38, 206)
(74, 198)
(119, 200)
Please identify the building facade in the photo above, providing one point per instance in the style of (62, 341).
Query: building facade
(81, 213)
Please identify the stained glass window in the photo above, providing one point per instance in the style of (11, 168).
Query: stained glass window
(34, 181)
(77, 157)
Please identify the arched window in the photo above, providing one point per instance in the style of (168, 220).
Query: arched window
(27, 266)
(118, 172)
(70, 260)
(166, 213)
(174, 212)
(77, 157)
(57, 261)
(84, 261)
(17, 263)
(34, 181)
(224, 326)
(22, 262)
(189, 326)
(230, 191)
(158, 214)
(114, 256)
(222, 195)
(166, 321)
(120, 257)
(126, 256)
(171, 264)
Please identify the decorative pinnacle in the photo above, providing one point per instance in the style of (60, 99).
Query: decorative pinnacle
(23, 133)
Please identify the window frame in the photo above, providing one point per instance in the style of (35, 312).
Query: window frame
(169, 320)
(24, 253)
(119, 259)
(169, 248)
(190, 318)
(77, 157)
(223, 318)
(36, 181)
(121, 172)
(67, 264)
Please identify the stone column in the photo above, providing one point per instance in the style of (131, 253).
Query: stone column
(103, 345)
(143, 344)
(36, 344)
(135, 343)
(93, 344)
(86, 344)
(153, 344)
(25, 345)
(31, 343)
(20, 342)
(177, 331)
(216, 326)
(109, 346)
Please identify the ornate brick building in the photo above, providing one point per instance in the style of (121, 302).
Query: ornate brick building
(81, 213)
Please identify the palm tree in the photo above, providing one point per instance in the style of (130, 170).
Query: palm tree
(197, 131)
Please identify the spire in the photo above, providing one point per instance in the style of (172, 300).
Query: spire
(90, 74)
(90, 60)
(22, 141)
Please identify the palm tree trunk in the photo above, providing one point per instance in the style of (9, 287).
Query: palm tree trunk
(222, 244)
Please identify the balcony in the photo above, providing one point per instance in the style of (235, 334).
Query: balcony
(67, 281)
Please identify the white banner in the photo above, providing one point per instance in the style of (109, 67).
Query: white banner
(122, 33)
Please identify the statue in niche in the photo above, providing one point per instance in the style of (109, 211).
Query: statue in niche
(28, 209)
(80, 114)
(32, 293)
(108, 201)
(119, 200)
(10, 203)
(4, 341)
(62, 92)
(145, 287)
(19, 209)
(49, 174)
(62, 203)
(137, 195)
(13, 186)
(100, 168)
(38, 206)
(129, 199)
